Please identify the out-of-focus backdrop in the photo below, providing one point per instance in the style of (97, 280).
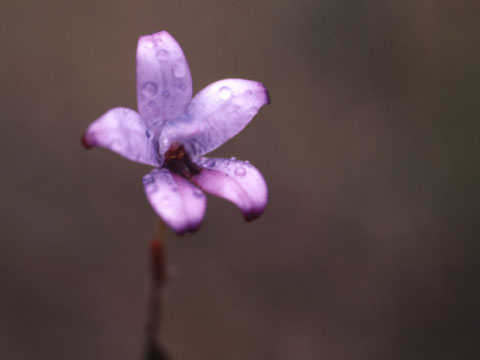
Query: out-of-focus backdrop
(370, 246)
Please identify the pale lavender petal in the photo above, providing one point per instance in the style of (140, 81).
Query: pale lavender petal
(236, 181)
(164, 83)
(216, 114)
(123, 131)
(179, 203)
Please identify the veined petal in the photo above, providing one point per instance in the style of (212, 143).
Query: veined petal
(123, 131)
(164, 83)
(236, 181)
(216, 114)
(179, 203)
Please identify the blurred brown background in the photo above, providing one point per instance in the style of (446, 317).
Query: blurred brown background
(369, 248)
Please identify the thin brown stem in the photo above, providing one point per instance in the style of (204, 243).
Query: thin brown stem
(154, 349)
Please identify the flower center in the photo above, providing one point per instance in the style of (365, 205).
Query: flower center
(178, 161)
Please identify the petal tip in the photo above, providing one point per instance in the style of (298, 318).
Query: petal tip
(164, 33)
(190, 228)
(183, 228)
(156, 36)
(252, 214)
(267, 95)
(86, 142)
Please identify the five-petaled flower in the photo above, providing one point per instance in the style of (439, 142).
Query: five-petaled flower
(172, 131)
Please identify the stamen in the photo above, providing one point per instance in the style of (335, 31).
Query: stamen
(178, 161)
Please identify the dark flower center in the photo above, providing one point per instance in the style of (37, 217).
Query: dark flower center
(178, 161)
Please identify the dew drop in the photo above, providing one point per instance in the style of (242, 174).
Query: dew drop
(149, 89)
(162, 54)
(149, 44)
(182, 87)
(151, 108)
(179, 70)
(147, 180)
(149, 134)
(166, 202)
(253, 111)
(116, 145)
(238, 100)
(211, 163)
(240, 171)
(166, 93)
(225, 93)
(122, 111)
(197, 193)
(151, 188)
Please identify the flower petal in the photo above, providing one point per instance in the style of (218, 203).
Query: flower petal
(236, 181)
(123, 131)
(164, 83)
(179, 203)
(216, 114)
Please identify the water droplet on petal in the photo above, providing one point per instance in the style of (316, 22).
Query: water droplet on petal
(116, 145)
(182, 87)
(179, 70)
(165, 93)
(240, 171)
(198, 193)
(151, 188)
(149, 44)
(211, 163)
(238, 100)
(122, 111)
(149, 89)
(162, 54)
(151, 109)
(253, 111)
(149, 134)
(147, 180)
(158, 38)
(166, 202)
(225, 93)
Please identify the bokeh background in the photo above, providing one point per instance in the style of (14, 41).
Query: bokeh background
(369, 248)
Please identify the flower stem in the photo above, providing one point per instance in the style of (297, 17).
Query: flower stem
(154, 349)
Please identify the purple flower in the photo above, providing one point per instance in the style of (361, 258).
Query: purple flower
(172, 131)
